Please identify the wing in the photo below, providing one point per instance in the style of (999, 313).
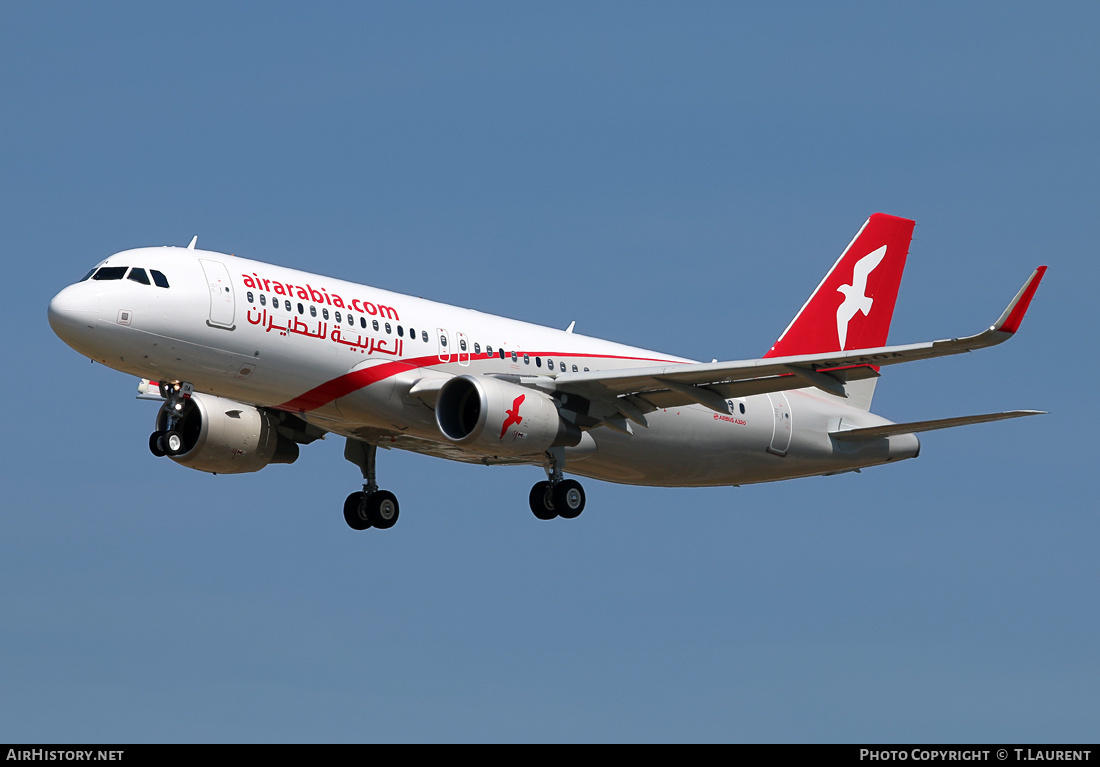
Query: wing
(632, 392)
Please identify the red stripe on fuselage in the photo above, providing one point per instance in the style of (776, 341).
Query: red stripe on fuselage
(345, 385)
(359, 379)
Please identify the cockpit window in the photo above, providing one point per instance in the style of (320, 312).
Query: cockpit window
(89, 274)
(110, 273)
(159, 279)
(138, 275)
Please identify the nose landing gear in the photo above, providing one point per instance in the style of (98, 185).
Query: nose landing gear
(168, 440)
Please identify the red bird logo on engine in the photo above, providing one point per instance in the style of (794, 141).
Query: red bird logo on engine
(513, 415)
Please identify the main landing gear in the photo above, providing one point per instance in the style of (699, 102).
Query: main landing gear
(369, 507)
(167, 440)
(557, 496)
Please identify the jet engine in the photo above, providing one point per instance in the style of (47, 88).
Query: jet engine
(498, 418)
(221, 436)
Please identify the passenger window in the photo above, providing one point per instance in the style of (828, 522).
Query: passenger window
(400, 332)
(312, 310)
(515, 357)
(339, 317)
(462, 344)
(562, 364)
(351, 319)
(110, 273)
(159, 279)
(742, 408)
(301, 309)
(139, 275)
(477, 348)
(424, 336)
(363, 323)
(489, 350)
(286, 303)
(443, 340)
(550, 363)
(526, 360)
(375, 324)
(574, 368)
(538, 362)
(263, 300)
(388, 331)
(324, 313)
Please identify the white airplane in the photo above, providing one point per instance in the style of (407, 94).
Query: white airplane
(252, 360)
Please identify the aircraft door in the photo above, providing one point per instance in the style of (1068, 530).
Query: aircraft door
(781, 425)
(221, 294)
(463, 350)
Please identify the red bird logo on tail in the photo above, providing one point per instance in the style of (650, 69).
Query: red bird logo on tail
(513, 415)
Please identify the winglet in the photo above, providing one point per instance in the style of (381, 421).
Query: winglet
(1013, 315)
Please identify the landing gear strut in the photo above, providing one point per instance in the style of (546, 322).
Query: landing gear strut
(168, 440)
(369, 507)
(557, 496)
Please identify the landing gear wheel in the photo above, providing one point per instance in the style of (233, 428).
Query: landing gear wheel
(156, 444)
(352, 514)
(542, 503)
(173, 443)
(371, 507)
(569, 498)
(382, 509)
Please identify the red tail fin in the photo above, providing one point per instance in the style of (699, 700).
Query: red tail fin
(853, 305)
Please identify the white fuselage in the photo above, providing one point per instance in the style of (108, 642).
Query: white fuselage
(345, 356)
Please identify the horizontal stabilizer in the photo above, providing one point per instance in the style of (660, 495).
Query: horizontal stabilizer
(874, 432)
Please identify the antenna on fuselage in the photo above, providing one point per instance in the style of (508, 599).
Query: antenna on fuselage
(193, 241)
(570, 328)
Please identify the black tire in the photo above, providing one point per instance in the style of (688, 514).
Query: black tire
(351, 512)
(156, 446)
(542, 504)
(173, 443)
(569, 499)
(382, 509)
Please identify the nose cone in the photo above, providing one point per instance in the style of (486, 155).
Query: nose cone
(73, 315)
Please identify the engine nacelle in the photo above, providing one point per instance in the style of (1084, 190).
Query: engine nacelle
(498, 418)
(221, 436)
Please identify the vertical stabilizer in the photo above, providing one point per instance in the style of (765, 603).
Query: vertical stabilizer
(853, 305)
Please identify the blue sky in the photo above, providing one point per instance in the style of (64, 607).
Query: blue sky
(674, 176)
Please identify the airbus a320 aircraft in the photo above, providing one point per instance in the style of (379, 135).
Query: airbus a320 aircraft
(252, 360)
